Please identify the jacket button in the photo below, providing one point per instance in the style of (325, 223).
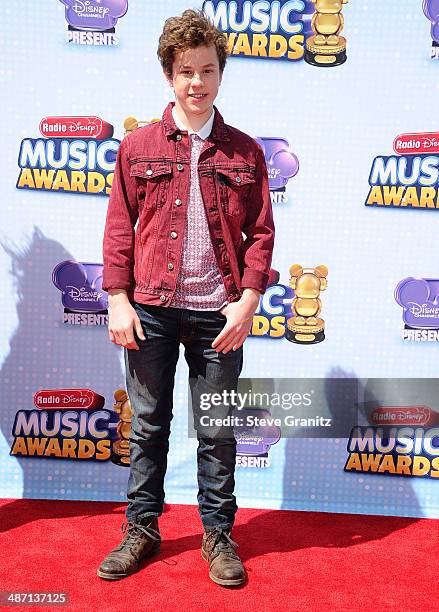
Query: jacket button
(178, 202)
(163, 298)
(149, 172)
(178, 137)
(173, 234)
(180, 167)
(238, 179)
(170, 266)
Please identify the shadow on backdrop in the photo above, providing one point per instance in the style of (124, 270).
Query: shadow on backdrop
(47, 354)
(313, 473)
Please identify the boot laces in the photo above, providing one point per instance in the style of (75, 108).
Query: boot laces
(134, 530)
(221, 543)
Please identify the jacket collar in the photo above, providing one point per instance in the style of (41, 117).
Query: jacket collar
(219, 128)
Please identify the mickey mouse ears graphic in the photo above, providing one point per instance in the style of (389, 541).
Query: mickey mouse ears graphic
(282, 164)
(431, 10)
(419, 298)
(257, 439)
(81, 286)
(96, 15)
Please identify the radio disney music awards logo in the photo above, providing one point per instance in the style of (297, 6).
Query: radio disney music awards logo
(73, 155)
(92, 22)
(282, 165)
(65, 424)
(84, 300)
(269, 320)
(431, 11)
(273, 30)
(255, 433)
(421, 416)
(409, 179)
(419, 298)
(405, 444)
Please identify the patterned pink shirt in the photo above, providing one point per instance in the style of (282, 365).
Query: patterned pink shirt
(199, 284)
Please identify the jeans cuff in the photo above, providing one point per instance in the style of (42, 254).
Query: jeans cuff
(223, 526)
(142, 518)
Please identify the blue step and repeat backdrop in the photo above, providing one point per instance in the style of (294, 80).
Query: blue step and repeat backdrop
(348, 122)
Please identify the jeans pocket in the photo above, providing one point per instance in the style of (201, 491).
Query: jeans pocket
(220, 316)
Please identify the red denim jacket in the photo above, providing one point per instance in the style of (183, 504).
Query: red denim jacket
(151, 189)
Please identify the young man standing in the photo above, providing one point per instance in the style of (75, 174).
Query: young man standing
(185, 274)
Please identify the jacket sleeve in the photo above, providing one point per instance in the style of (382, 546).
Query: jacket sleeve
(257, 249)
(122, 215)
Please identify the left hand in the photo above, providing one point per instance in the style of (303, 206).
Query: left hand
(239, 321)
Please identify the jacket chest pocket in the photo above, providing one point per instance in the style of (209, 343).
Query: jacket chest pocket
(152, 179)
(234, 186)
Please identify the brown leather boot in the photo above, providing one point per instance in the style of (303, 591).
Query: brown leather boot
(140, 541)
(225, 566)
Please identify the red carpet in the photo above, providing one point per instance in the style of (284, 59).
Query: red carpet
(295, 560)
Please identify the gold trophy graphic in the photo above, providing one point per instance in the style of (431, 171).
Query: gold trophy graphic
(326, 47)
(305, 327)
(120, 451)
(131, 123)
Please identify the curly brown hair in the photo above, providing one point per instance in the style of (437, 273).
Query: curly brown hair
(190, 30)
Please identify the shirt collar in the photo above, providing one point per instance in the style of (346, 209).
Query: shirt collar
(220, 131)
(203, 132)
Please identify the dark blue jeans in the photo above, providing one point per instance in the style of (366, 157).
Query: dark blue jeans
(150, 376)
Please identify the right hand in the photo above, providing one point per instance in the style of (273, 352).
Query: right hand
(123, 320)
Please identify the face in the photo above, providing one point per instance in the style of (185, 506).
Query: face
(196, 79)
(308, 286)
